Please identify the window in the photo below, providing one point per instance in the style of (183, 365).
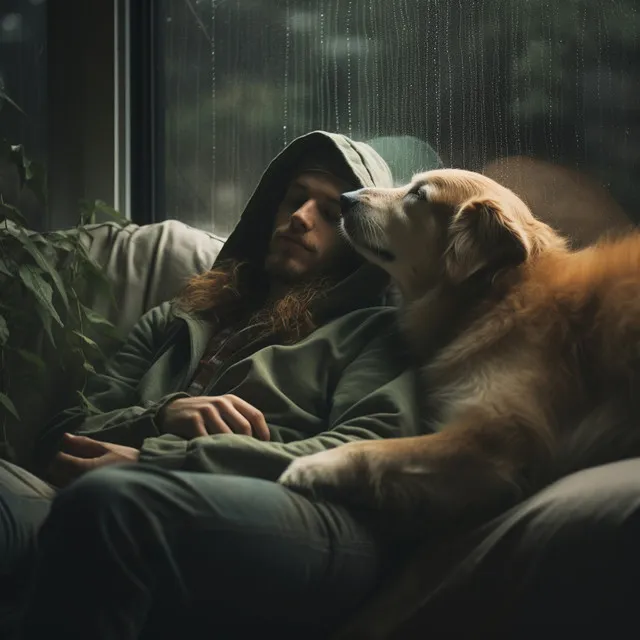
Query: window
(23, 71)
(477, 80)
(57, 65)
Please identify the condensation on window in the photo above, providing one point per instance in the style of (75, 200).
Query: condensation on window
(475, 81)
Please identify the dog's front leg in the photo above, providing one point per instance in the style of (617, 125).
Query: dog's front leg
(479, 462)
(349, 473)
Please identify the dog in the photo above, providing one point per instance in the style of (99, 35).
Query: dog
(529, 351)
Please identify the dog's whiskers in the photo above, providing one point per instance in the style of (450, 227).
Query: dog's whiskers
(374, 233)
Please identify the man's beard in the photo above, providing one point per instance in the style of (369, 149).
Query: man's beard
(336, 266)
(290, 316)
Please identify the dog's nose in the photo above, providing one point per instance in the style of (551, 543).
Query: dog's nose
(349, 200)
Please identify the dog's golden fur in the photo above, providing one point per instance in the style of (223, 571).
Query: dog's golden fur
(530, 351)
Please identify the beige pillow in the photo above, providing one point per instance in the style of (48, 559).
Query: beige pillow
(147, 264)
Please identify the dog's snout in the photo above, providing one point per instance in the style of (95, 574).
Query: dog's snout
(349, 200)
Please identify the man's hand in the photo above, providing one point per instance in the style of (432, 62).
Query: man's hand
(80, 454)
(193, 417)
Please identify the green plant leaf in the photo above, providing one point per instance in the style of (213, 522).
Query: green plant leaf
(45, 319)
(100, 206)
(84, 257)
(6, 402)
(9, 212)
(91, 343)
(59, 240)
(103, 326)
(44, 264)
(4, 331)
(87, 213)
(95, 318)
(41, 289)
(88, 406)
(88, 367)
(86, 340)
(5, 270)
(94, 274)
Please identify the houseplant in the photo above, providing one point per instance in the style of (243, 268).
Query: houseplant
(46, 329)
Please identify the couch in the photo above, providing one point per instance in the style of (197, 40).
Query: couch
(147, 265)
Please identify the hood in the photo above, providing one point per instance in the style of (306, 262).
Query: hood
(355, 161)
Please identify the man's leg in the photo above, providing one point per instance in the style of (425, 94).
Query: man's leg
(24, 504)
(236, 554)
(566, 561)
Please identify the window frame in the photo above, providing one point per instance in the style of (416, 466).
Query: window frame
(145, 83)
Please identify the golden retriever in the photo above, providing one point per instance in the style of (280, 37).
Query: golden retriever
(530, 351)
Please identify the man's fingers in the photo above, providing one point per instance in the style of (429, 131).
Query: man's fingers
(83, 447)
(230, 414)
(234, 419)
(196, 426)
(67, 461)
(254, 416)
(213, 422)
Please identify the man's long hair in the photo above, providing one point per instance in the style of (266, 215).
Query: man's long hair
(233, 291)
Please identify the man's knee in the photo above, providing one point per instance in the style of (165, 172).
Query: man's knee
(99, 490)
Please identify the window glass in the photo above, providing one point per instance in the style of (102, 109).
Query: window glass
(478, 80)
(23, 79)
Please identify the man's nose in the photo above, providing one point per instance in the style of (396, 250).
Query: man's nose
(349, 200)
(302, 219)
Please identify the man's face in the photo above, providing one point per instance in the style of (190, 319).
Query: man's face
(306, 241)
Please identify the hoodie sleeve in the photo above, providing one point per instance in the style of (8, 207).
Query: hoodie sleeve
(112, 390)
(375, 398)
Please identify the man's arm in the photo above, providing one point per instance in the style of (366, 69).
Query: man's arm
(375, 398)
(112, 391)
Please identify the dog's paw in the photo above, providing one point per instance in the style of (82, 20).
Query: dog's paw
(325, 474)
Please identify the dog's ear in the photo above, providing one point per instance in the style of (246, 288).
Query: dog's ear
(482, 236)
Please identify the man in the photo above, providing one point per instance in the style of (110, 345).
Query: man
(282, 349)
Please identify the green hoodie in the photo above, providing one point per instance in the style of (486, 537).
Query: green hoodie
(348, 380)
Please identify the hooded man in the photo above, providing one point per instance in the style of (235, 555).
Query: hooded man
(284, 348)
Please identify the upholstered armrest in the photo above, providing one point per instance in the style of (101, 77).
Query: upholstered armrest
(146, 264)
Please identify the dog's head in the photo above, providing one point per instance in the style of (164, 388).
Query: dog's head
(446, 224)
